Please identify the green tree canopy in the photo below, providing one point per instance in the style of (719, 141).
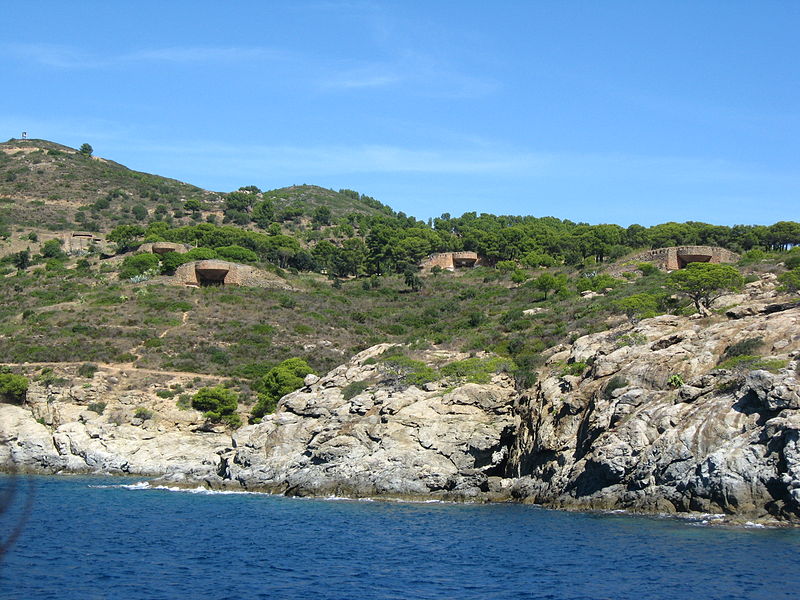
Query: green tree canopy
(790, 281)
(279, 381)
(52, 249)
(218, 404)
(21, 259)
(138, 264)
(705, 282)
(126, 237)
(13, 387)
(547, 282)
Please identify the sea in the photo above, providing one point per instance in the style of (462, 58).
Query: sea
(89, 538)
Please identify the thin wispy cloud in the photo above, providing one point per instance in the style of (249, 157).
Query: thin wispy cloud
(53, 55)
(418, 75)
(335, 159)
(325, 160)
(368, 77)
(66, 57)
(203, 54)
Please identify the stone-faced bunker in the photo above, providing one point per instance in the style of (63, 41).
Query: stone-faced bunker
(201, 273)
(677, 257)
(164, 247)
(450, 261)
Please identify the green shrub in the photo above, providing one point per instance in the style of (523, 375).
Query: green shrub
(641, 306)
(236, 254)
(575, 369)
(48, 377)
(519, 276)
(138, 264)
(13, 387)
(596, 283)
(752, 256)
(631, 339)
(52, 249)
(506, 266)
(87, 370)
(647, 268)
(279, 381)
(793, 261)
(200, 254)
(675, 381)
(143, 413)
(170, 261)
(184, 402)
(744, 348)
(393, 328)
(352, 390)
(165, 393)
(287, 302)
(790, 281)
(233, 420)
(746, 362)
(477, 370)
(407, 371)
(97, 407)
(217, 403)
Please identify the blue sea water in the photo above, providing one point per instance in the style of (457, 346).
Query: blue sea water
(91, 538)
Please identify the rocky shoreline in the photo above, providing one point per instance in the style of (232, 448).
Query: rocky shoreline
(638, 418)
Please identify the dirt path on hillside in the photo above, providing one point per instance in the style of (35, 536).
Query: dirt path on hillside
(137, 350)
(129, 366)
(117, 368)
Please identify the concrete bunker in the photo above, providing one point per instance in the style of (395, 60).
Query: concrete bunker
(203, 273)
(678, 257)
(450, 261)
(685, 259)
(211, 273)
(80, 241)
(164, 247)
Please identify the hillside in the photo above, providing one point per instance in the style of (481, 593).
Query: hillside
(50, 186)
(308, 198)
(347, 266)
(44, 184)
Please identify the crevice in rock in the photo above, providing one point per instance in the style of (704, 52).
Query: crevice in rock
(666, 342)
(594, 477)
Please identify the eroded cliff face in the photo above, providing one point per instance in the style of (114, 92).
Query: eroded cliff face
(440, 441)
(673, 432)
(56, 431)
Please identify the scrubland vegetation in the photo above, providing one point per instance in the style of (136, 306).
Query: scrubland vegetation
(351, 265)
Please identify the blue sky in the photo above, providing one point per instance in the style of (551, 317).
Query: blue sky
(620, 112)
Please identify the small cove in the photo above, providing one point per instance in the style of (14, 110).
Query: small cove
(100, 537)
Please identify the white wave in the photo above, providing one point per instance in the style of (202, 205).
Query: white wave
(146, 485)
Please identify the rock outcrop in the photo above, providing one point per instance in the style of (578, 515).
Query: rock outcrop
(433, 442)
(135, 432)
(402, 441)
(652, 425)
